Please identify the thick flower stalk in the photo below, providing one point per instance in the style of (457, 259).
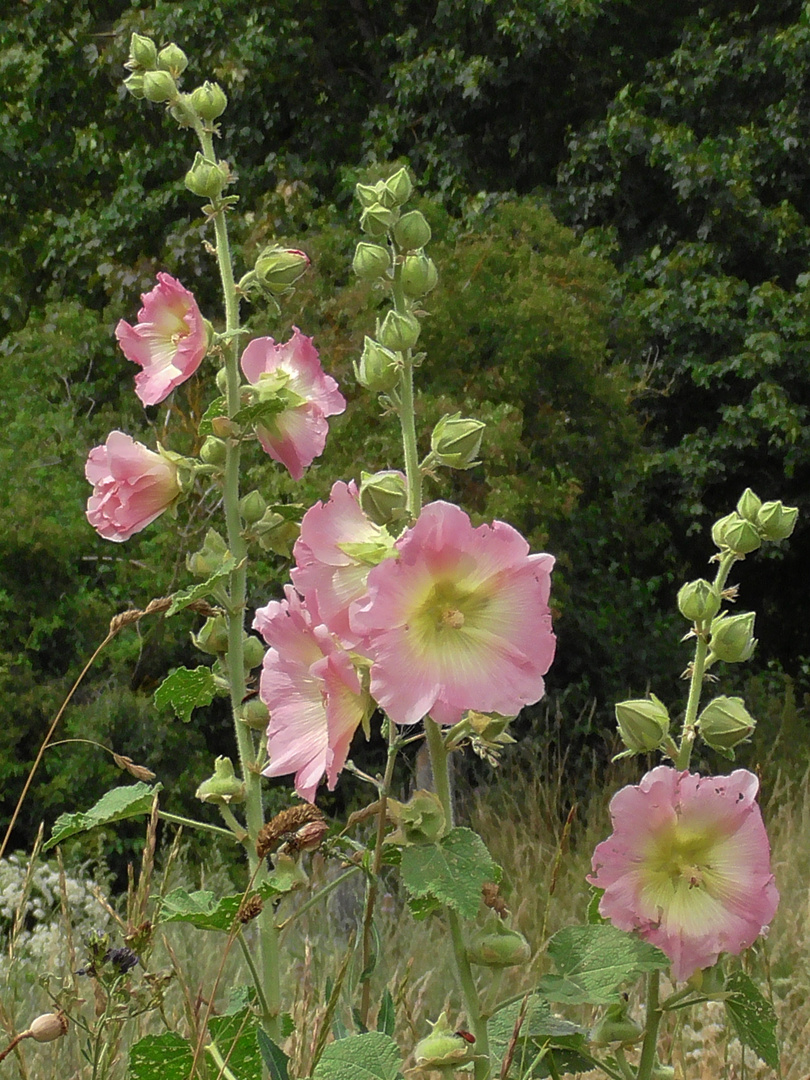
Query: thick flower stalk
(688, 865)
(313, 692)
(132, 486)
(168, 342)
(296, 434)
(459, 620)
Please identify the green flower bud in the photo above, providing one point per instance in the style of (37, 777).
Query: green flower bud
(379, 369)
(495, 945)
(442, 1048)
(253, 650)
(209, 101)
(209, 558)
(384, 496)
(255, 714)
(421, 820)
(698, 600)
(172, 59)
(748, 505)
(206, 178)
(736, 534)
(371, 261)
(252, 507)
(213, 638)
(134, 85)
(732, 637)
(222, 787)
(419, 275)
(616, 1026)
(222, 381)
(278, 268)
(159, 86)
(368, 194)
(643, 724)
(725, 722)
(456, 441)
(213, 451)
(142, 53)
(662, 1072)
(412, 231)
(377, 219)
(776, 521)
(399, 187)
(399, 331)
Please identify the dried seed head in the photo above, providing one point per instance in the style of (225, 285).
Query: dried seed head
(492, 898)
(250, 908)
(49, 1026)
(307, 838)
(282, 825)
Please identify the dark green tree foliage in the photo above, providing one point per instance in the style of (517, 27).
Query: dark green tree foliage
(700, 169)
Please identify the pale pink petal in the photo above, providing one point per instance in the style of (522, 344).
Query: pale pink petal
(295, 438)
(131, 486)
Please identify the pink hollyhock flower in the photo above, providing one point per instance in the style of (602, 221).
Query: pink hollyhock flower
(460, 620)
(168, 342)
(688, 865)
(131, 486)
(313, 692)
(296, 435)
(337, 547)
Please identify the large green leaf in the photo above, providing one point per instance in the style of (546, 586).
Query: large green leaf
(207, 911)
(185, 690)
(452, 871)
(273, 1056)
(235, 1037)
(541, 1035)
(133, 800)
(371, 1056)
(161, 1057)
(594, 962)
(203, 589)
(752, 1017)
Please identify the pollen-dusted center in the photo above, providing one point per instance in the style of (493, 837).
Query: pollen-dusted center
(448, 607)
(681, 856)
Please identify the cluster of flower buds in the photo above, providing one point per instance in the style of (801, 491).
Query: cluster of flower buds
(155, 75)
(754, 521)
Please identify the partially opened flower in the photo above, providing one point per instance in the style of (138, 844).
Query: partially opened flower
(169, 340)
(131, 486)
(688, 865)
(334, 553)
(296, 434)
(460, 620)
(313, 692)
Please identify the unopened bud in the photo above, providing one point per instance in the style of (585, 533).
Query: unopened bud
(159, 86)
(725, 723)
(732, 637)
(209, 101)
(253, 651)
(735, 534)
(368, 194)
(134, 85)
(142, 53)
(206, 178)
(48, 1027)
(495, 945)
(223, 787)
(252, 507)
(775, 521)
(643, 724)
(421, 820)
(442, 1048)
(371, 261)
(209, 558)
(456, 441)
(278, 268)
(412, 231)
(748, 505)
(213, 637)
(399, 331)
(379, 369)
(255, 714)
(383, 496)
(213, 451)
(698, 600)
(377, 219)
(399, 186)
(616, 1027)
(419, 275)
(172, 59)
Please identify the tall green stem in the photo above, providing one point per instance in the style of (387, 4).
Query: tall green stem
(237, 594)
(407, 414)
(649, 1046)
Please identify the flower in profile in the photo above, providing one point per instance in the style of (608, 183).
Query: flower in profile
(169, 340)
(688, 865)
(459, 620)
(291, 375)
(334, 553)
(132, 486)
(313, 692)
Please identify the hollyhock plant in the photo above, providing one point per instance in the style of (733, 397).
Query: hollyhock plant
(169, 340)
(334, 553)
(132, 486)
(459, 620)
(688, 865)
(296, 435)
(313, 692)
